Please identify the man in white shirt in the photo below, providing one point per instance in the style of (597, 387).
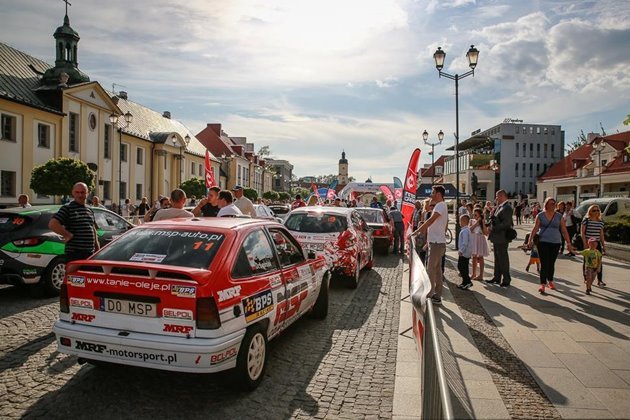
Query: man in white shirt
(178, 201)
(243, 203)
(435, 229)
(226, 207)
(23, 201)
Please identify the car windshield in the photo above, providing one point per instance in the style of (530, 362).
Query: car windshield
(583, 208)
(371, 216)
(279, 209)
(10, 222)
(316, 222)
(183, 248)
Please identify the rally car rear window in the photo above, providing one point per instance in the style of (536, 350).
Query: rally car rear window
(372, 216)
(316, 223)
(183, 248)
(10, 222)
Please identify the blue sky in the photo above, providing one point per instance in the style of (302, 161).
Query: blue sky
(310, 78)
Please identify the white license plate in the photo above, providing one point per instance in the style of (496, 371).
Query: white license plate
(315, 247)
(130, 308)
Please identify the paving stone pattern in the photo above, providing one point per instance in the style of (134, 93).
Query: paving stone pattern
(523, 397)
(342, 367)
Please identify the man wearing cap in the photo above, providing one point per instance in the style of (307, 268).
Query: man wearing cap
(243, 203)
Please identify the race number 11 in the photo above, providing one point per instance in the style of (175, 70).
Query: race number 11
(208, 245)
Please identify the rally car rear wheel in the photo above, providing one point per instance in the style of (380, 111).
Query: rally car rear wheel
(252, 358)
(53, 276)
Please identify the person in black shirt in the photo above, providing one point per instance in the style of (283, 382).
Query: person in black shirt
(208, 207)
(75, 222)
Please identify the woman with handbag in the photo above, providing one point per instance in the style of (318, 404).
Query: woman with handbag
(549, 228)
(593, 227)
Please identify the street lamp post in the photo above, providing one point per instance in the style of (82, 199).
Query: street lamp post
(599, 149)
(425, 138)
(181, 157)
(473, 57)
(114, 118)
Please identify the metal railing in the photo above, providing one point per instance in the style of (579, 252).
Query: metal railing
(435, 393)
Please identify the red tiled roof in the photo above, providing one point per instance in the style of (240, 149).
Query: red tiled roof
(581, 156)
(211, 138)
(430, 171)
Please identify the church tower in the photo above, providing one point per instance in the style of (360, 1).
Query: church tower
(66, 70)
(342, 178)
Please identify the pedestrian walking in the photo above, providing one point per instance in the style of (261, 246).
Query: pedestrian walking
(500, 222)
(548, 228)
(178, 201)
(435, 229)
(593, 227)
(534, 258)
(518, 210)
(592, 263)
(75, 222)
(526, 211)
(464, 251)
(572, 222)
(480, 249)
(399, 230)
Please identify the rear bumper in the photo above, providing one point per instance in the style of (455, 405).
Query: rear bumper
(179, 354)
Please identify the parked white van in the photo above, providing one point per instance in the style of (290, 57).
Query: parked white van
(611, 208)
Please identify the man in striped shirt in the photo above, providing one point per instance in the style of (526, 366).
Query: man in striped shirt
(75, 222)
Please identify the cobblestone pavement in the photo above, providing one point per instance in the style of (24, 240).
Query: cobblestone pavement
(342, 367)
(523, 397)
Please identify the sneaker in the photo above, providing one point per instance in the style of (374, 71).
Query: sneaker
(552, 286)
(466, 286)
(542, 289)
(601, 284)
(588, 291)
(436, 300)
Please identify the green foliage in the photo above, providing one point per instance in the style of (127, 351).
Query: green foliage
(264, 151)
(304, 192)
(57, 176)
(284, 196)
(250, 193)
(481, 160)
(619, 230)
(194, 186)
(271, 195)
(581, 140)
(627, 120)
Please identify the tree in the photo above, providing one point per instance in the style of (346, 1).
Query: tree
(264, 151)
(194, 186)
(627, 120)
(580, 141)
(250, 193)
(284, 196)
(271, 195)
(58, 176)
(304, 192)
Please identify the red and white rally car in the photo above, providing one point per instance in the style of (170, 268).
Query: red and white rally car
(190, 295)
(339, 234)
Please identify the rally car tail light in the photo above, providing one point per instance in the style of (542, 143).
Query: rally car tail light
(27, 242)
(64, 303)
(207, 314)
(378, 232)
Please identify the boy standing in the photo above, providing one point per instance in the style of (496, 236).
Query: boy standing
(592, 263)
(465, 251)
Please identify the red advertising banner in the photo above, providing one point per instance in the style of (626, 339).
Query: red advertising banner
(388, 192)
(210, 179)
(410, 188)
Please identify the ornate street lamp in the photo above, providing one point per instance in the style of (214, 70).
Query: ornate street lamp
(425, 138)
(114, 118)
(473, 57)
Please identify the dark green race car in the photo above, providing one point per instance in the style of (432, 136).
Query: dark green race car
(31, 254)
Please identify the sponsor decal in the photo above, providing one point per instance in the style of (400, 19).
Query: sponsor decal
(289, 307)
(173, 328)
(177, 313)
(82, 317)
(124, 283)
(305, 271)
(77, 281)
(183, 291)
(224, 356)
(1, 262)
(4, 220)
(29, 272)
(230, 293)
(258, 305)
(275, 281)
(150, 258)
(86, 346)
(82, 303)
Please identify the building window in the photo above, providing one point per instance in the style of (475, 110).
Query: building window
(523, 186)
(7, 184)
(193, 167)
(107, 190)
(516, 170)
(43, 136)
(517, 129)
(531, 150)
(553, 155)
(524, 174)
(524, 149)
(139, 156)
(553, 131)
(531, 131)
(516, 187)
(545, 149)
(538, 150)
(531, 170)
(524, 130)
(517, 148)
(531, 187)
(200, 169)
(537, 168)
(546, 131)
(139, 192)
(545, 167)
(537, 132)
(9, 124)
(73, 139)
(123, 152)
(107, 142)
(604, 161)
(122, 194)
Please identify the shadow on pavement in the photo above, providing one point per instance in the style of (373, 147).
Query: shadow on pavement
(294, 358)
(15, 299)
